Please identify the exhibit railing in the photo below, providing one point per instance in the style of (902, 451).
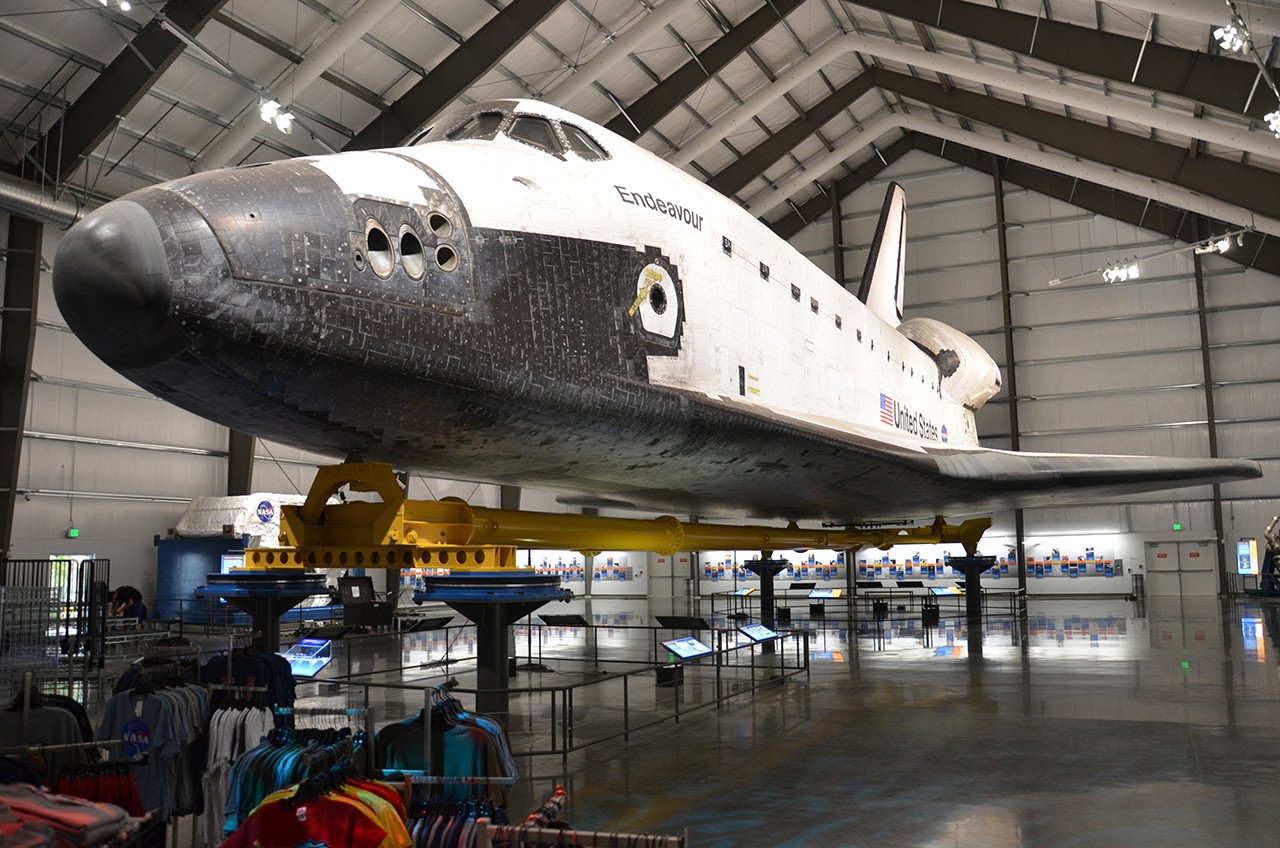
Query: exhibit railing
(880, 601)
(564, 718)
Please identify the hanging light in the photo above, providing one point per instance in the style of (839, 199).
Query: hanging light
(1233, 38)
(272, 112)
(1273, 122)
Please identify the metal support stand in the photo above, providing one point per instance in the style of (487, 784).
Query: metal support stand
(265, 597)
(493, 601)
(973, 568)
(766, 570)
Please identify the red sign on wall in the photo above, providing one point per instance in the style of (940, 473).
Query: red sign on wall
(1195, 554)
(1162, 556)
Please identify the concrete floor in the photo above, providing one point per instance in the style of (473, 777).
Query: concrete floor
(1091, 724)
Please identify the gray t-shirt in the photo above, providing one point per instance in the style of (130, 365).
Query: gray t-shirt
(147, 725)
(47, 726)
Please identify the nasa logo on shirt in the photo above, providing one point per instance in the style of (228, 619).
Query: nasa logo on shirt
(266, 512)
(137, 739)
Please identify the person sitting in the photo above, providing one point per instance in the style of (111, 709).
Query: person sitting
(130, 602)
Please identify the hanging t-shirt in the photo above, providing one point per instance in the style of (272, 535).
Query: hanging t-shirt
(325, 822)
(45, 726)
(146, 724)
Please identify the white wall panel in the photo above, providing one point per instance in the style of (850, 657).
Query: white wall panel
(1256, 362)
(1111, 411)
(1252, 439)
(1156, 441)
(1085, 303)
(1045, 342)
(1146, 369)
(1245, 325)
(1250, 401)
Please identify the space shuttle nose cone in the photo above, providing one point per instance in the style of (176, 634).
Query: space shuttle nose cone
(111, 282)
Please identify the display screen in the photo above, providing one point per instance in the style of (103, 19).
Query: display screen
(1247, 557)
(758, 633)
(232, 562)
(825, 593)
(748, 591)
(687, 648)
(945, 590)
(308, 656)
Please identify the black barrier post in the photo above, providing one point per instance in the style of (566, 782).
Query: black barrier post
(766, 570)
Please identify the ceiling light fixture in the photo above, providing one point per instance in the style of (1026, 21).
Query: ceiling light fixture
(272, 112)
(1273, 122)
(1119, 272)
(1234, 37)
(1129, 269)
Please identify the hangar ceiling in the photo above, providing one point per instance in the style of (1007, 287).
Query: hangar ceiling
(1129, 108)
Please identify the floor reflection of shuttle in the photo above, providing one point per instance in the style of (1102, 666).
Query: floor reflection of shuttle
(527, 298)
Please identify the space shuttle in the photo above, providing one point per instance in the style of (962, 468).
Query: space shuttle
(523, 297)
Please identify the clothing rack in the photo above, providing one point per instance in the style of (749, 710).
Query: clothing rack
(339, 712)
(517, 836)
(433, 779)
(61, 746)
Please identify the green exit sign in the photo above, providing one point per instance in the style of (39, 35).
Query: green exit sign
(1177, 525)
(73, 533)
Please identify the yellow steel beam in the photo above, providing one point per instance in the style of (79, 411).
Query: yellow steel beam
(386, 534)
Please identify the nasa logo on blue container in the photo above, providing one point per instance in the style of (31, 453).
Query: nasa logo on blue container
(944, 432)
(266, 512)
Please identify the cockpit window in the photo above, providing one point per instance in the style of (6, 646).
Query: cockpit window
(484, 126)
(535, 131)
(583, 144)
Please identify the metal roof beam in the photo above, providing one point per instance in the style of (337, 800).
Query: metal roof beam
(1212, 80)
(800, 216)
(124, 82)
(1246, 186)
(739, 173)
(640, 116)
(1259, 251)
(453, 75)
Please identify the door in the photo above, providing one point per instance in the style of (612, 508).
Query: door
(1182, 568)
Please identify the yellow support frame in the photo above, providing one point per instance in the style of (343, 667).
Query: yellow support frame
(450, 533)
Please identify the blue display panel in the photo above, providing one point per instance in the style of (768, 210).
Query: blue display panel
(687, 648)
(758, 633)
(308, 656)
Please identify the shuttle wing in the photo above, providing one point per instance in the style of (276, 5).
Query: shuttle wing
(805, 467)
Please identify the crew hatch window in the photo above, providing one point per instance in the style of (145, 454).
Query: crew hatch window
(536, 132)
(483, 126)
(583, 144)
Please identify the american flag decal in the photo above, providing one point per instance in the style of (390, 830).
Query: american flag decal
(886, 409)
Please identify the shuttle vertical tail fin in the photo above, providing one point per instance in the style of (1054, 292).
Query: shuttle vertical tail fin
(882, 280)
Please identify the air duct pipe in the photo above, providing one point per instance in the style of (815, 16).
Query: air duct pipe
(25, 198)
(1140, 186)
(1237, 138)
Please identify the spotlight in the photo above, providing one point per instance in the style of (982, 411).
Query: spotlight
(1133, 270)
(125, 5)
(1240, 240)
(1222, 244)
(1232, 38)
(272, 112)
(1273, 122)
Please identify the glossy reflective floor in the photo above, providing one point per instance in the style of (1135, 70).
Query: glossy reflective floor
(1088, 723)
